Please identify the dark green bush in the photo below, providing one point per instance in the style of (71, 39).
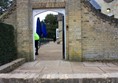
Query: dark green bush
(8, 51)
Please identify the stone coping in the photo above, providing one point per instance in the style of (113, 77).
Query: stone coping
(59, 78)
(12, 65)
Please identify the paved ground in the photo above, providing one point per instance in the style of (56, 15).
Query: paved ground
(66, 67)
(50, 51)
(49, 61)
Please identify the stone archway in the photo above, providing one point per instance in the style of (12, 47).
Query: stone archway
(73, 25)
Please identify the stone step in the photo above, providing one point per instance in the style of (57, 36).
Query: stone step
(12, 65)
(59, 78)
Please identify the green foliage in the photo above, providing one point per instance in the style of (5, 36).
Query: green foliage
(7, 43)
(4, 4)
(51, 24)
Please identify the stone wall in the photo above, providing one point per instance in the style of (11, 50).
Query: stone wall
(73, 13)
(24, 29)
(11, 18)
(99, 35)
(60, 27)
(59, 40)
(42, 4)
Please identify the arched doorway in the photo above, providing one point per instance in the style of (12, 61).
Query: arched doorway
(61, 11)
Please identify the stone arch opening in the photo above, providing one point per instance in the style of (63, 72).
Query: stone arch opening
(36, 12)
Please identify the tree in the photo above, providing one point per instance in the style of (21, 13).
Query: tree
(4, 5)
(52, 24)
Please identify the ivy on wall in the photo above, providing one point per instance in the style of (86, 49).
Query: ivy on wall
(8, 50)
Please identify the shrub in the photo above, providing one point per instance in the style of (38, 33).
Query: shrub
(8, 50)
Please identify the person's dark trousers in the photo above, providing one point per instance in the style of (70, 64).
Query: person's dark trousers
(36, 46)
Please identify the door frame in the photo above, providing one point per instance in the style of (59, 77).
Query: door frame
(62, 11)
